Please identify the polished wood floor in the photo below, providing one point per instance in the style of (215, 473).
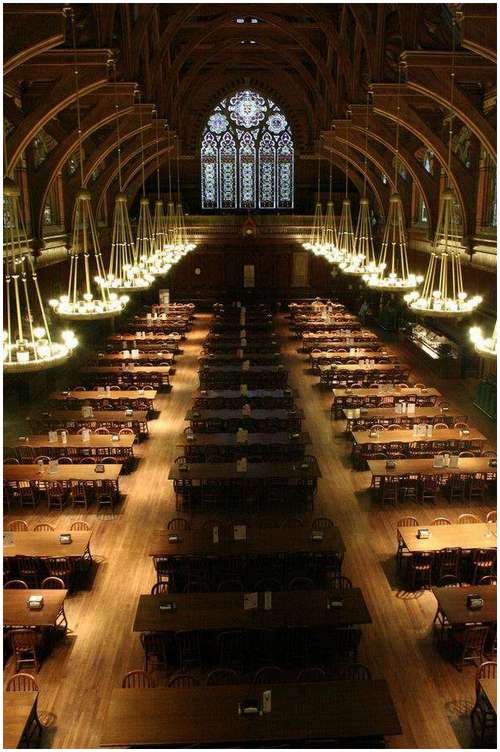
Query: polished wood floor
(433, 699)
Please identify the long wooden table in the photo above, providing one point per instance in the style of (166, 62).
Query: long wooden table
(256, 377)
(357, 419)
(111, 395)
(233, 419)
(43, 544)
(148, 337)
(381, 396)
(141, 357)
(469, 537)
(177, 717)
(137, 420)
(19, 709)
(220, 611)
(96, 445)
(17, 614)
(256, 359)
(256, 471)
(232, 347)
(489, 688)
(258, 542)
(233, 399)
(379, 356)
(63, 473)
(289, 445)
(452, 604)
(425, 466)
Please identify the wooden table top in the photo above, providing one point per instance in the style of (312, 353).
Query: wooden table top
(259, 541)
(116, 416)
(219, 611)
(256, 471)
(232, 393)
(75, 441)
(240, 369)
(388, 391)
(425, 466)
(256, 414)
(17, 614)
(477, 535)
(230, 439)
(374, 354)
(128, 369)
(140, 358)
(489, 687)
(149, 337)
(98, 394)
(255, 355)
(18, 708)
(406, 436)
(46, 543)
(387, 413)
(452, 603)
(366, 368)
(63, 473)
(337, 337)
(321, 710)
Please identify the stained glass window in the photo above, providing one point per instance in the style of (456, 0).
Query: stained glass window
(247, 155)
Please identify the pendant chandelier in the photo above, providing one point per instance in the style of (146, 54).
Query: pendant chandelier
(161, 264)
(125, 274)
(315, 241)
(170, 218)
(443, 293)
(346, 244)
(392, 274)
(363, 261)
(486, 347)
(182, 243)
(144, 239)
(81, 305)
(329, 241)
(27, 341)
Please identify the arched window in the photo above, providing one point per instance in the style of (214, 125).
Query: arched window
(247, 155)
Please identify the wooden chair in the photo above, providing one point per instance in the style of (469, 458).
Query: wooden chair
(427, 489)
(61, 567)
(441, 521)
(440, 427)
(56, 496)
(268, 584)
(56, 583)
(80, 525)
(468, 644)
(179, 524)
(78, 495)
(155, 650)
(457, 488)
(420, 569)
(476, 488)
(339, 582)
(43, 526)
(221, 677)
(28, 568)
(25, 644)
(231, 649)
(483, 717)
(188, 647)
(389, 489)
(138, 679)
(402, 551)
(483, 563)
(352, 672)
(292, 522)
(65, 460)
(489, 579)
(492, 516)
(300, 583)
(184, 681)
(312, 675)
(26, 683)
(269, 675)
(468, 519)
(17, 526)
(322, 523)
(15, 585)
(102, 431)
(447, 562)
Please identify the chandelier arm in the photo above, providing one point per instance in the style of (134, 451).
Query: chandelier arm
(9, 321)
(97, 252)
(169, 163)
(143, 174)
(29, 315)
(398, 112)
(39, 297)
(15, 278)
(366, 146)
(118, 135)
(77, 90)
(347, 161)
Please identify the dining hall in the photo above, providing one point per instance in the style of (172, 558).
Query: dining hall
(249, 375)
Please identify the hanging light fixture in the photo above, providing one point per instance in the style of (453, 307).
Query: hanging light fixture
(170, 218)
(314, 243)
(125, 274)
(27, 341)
(161, 262)
(346, 251)
(182, 243)
(443, 292)
(81, 305)
(486, 347)
(144, 240)
(392, 273)
(329, 239)
(363, 261)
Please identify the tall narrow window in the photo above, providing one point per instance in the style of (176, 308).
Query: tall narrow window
(247, 155)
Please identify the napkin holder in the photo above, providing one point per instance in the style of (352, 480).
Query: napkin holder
(65, 538)
(129, 411)
(35, 602)
(241, 465)
(52, 437)
(183, 466)
(334, 602)
(243, 341)
(247, 410)
(126, 353)
(173, 538)
(454, 460)
(464, 432)
(85, 434)
(115, 437)
(244, 389)
(166, 606)
(317, 536)
(474, 602)
(438, 460)
(241, 436)
(249, 707)
(87, 411)
(190, 434)
(53, 466)
(99, 468)
(423, 533)
(373, 434)
(444, 408)
(246, 365)
(64, 437)
(390, 465)
(492, 463)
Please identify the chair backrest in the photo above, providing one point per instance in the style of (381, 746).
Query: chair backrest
(475, 637)
(292, 522)
(17, 526)
(322, 523)
(184, 681)
(440, 427)
(125, 432)
(11, 461)
(311, 675)
(179, 523)
(15, 585)
(65, 460)
(408, 522)
(81, 430)
(108, 461)
(487, 670)
(101, 431)
(468, 519)
(43, 526)
(159, 588)
(269, 675)
(138, 679)
(23, 639)
(460, 424)
(58, 565)
(230, 586)
(353, 671)
(53, 583)
(489, 579)
(466, 453)
(43, 458)
(80, 525)
(339, 582)
(21, 683)
(300, 583)
(441, 521)
(449, 580)
(222, 676)
(87, 461)
(491, 516)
